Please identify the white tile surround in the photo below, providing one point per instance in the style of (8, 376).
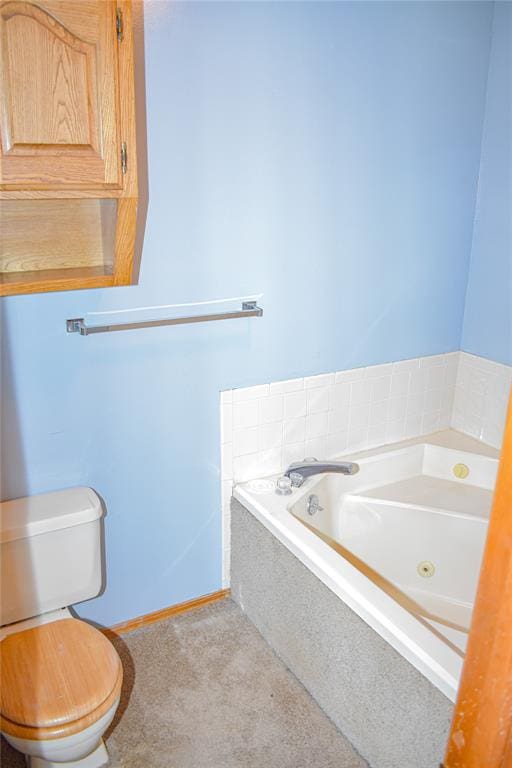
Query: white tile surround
(482, 390)
(266, 427)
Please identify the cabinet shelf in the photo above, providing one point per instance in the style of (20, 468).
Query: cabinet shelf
(44, 280)
(64, 243)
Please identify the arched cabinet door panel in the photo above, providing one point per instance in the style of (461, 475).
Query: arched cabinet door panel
(59, 94)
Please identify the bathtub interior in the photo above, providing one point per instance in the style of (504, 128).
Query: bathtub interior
(414, 520)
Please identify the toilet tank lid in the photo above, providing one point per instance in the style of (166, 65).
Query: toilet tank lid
(46, 512)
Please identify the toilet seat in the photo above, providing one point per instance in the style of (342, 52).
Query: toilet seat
(58, 679)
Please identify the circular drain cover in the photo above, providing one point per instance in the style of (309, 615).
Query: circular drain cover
(426, 569)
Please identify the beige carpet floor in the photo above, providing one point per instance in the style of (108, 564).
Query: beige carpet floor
(204, 690)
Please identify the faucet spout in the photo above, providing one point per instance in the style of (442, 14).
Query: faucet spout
(298, 471)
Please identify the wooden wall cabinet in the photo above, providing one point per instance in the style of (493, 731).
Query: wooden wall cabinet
(68, 156)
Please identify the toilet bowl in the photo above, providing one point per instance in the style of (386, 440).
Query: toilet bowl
(61, 677)
(81, 750)
(60, 690)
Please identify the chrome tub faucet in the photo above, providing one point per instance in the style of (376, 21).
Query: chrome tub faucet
(300, 470)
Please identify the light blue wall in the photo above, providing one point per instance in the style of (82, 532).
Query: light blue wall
(487, 327)
(323, 154)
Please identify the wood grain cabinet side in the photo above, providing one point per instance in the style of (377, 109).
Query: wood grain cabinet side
(68, 155)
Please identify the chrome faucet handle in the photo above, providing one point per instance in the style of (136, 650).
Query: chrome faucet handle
(296, 479)
(283, 486)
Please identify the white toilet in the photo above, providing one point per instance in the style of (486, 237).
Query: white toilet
(61, 677)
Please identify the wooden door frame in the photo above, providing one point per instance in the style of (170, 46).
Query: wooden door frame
(481, 730)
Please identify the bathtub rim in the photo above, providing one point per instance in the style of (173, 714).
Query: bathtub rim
(415, 641)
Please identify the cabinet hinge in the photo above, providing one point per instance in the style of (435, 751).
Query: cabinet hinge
(124, 157)
(119, 24)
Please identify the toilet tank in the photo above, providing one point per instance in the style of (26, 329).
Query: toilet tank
(50, 554)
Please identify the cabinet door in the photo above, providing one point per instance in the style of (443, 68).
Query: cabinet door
(59, 95)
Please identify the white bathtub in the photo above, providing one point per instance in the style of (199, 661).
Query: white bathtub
(400, 542)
